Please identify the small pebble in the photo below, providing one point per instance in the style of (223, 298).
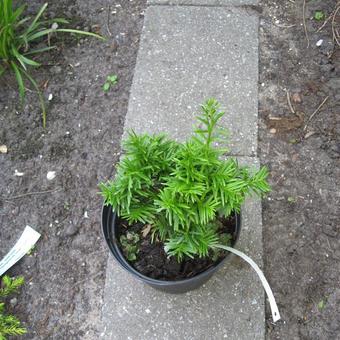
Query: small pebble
(18, 173)
(3, 149)
(51, 175)
(319, 42)
(13, 301)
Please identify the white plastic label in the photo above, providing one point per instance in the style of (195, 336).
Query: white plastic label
(272, 302)
(27, 240)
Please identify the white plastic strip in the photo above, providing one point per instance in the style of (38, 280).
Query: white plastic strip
(27, 240)
(272, 302)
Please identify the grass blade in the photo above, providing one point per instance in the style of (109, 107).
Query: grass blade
(27, 61)
(2, 70)
(58, 20)
(69, 30)
(33, 24)
(21, 22)
(66, 30)
(19, 79)
(39, 34)
(40, 50)
(17, 13)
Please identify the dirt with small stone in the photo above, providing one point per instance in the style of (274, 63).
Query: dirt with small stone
(299, 142)
(65, 273)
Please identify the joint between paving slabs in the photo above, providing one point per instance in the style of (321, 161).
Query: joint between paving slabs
(249, 8)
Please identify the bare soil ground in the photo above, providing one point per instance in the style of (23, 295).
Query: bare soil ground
(301, 147)
(65, 275)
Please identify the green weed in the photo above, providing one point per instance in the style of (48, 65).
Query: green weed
(129, 244)
(18, 36)
(292, 199)
(319, 15)
(110, 81)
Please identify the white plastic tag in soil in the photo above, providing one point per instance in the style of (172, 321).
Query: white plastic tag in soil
(27, 240)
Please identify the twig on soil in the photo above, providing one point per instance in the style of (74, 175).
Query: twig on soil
(325, 22)
(108, 21)
(315, 112)
(289, 103)
(284, 26)
(329, 245)
(30, 194)
(331, 16)
(335, 33)
(304, 21)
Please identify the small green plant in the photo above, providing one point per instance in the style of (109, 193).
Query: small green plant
(9, 324)
(319, 15)
(321, 305)
(18, 37)
(110, 81)
(293, 141)
(292, 199)
(181, 189)
(129, 244)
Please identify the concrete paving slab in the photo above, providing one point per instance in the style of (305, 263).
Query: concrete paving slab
(188, 54)
(229, 306)
(203, 2)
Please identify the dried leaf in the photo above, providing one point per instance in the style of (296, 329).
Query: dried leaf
(309, 134)
(45, 84)
(146, 230)
(296, 98)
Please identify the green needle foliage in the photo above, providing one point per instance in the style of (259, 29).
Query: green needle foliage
(9, 324)
(18, 36)
(181, 188)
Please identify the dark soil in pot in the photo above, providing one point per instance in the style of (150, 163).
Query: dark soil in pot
(152, 260)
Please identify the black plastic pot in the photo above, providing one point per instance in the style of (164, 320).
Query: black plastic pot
(180, 286)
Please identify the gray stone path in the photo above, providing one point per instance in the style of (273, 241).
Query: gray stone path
(188, 54)
(203, 2)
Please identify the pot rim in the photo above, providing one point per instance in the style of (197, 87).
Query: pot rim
(111, 242)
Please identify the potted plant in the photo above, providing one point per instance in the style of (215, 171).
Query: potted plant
(173, 206)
